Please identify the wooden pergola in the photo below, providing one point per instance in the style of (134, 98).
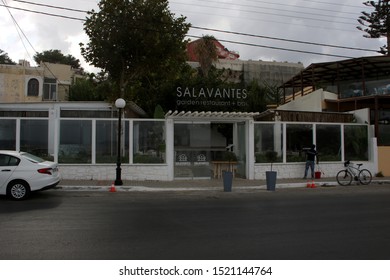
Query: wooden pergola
(362, 69)
(333, 73)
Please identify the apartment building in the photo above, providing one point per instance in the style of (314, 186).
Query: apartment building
(47, 82)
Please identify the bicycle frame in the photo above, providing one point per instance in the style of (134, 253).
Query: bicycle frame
(354, 170)
(345, 176)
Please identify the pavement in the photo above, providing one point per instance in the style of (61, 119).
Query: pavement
(238, 184)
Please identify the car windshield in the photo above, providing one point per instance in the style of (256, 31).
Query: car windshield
(32, 158)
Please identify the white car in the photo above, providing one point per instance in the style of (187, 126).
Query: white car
(22, 173)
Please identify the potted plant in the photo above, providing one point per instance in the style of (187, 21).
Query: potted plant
(270, 176)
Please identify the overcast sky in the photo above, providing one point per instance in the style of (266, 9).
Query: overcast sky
(322, 22)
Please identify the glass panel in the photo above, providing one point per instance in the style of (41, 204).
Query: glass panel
(241, 149)
(107, 141)
(384, 135)
(356, 142)
(89, 114)
(34, 138)
(299, 136)
(49, 91)
(201, 149)
(328, 142)
(24, 114)
(192, 150)
(75, 141)
(351, 89)
(149, 142)
(8, 134)
(383, 126)
(268, 143)
(372, 87)
(33, 87)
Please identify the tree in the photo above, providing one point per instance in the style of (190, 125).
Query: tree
(206, 52)
(377, 23)
(92, 87)
(55, 56)
(4, 58)
(262, 94)
(136, 42)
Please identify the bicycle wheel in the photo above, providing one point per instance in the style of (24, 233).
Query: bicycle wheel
(344, 177)
(365, 176)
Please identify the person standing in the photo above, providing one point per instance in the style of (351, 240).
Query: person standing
(311, 156)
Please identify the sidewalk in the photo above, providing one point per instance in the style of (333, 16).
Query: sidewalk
(196, 184)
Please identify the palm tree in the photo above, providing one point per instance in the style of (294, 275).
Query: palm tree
(207, 53)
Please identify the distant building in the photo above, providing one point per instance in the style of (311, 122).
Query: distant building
(237, 71)
(359, 85)
(47, 82)
(264, 72)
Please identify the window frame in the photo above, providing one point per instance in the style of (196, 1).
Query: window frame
(33, 86)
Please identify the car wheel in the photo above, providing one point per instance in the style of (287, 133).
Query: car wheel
(18, 190)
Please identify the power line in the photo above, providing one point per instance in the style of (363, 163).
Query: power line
(226, 8)
(208, 29)
(281, 39)
(299, 6)
(264, 8)
(50, 6)
(276, 48)
(266, 13)
(268, 21)
(334, 4)
(216, 30)
(42, 13)
(19, 30)
(203, 13)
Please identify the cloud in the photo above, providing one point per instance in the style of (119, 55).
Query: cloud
(39, 32)
(74, 49)
(326, 22)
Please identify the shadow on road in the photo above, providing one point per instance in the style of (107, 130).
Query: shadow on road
(36, 201)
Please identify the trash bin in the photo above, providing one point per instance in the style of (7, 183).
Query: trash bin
(227, 177)
(270, 177)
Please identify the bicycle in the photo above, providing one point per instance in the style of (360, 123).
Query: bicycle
(344, 177)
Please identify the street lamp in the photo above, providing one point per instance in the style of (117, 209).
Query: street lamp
(120, 104)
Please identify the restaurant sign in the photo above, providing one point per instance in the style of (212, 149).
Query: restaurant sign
(211, 97)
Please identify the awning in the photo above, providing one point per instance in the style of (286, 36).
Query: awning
(211, 115)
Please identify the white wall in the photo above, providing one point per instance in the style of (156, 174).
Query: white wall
(108, 172)
(296, 170)
(308, 103)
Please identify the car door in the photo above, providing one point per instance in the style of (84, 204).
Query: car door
(8, 164)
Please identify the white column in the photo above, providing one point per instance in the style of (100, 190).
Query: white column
(251, 150)
(93, 141)
(170, 158)
(132, 133)
(17, 136)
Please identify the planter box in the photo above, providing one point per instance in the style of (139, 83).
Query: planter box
(227, 177)
(270, 177)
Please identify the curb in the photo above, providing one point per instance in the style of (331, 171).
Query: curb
(161, 189)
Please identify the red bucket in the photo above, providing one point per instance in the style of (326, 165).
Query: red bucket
(317, 174)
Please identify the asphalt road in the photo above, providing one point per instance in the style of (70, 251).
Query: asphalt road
(323, 223)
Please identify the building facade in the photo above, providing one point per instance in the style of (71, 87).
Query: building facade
(82, 138)
(47, 82)
(353, 85)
